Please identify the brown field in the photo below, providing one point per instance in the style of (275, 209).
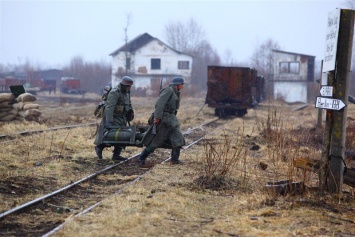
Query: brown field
(198, 198)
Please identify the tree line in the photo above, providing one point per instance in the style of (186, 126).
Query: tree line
(187, 37)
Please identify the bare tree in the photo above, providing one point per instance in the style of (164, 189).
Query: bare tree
(228, 59)
(184, 37)
(189, 38)
(92, 75)
(128, 61)
(262, 60)
(76, 66)
(262, 57)
(126, 39)
(204, 55)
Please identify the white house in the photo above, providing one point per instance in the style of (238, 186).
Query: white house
(148, 61)
(293, 72)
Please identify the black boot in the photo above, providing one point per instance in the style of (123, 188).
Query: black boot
(175, 154)
(116, 154)
(98, 150)
(141, 158)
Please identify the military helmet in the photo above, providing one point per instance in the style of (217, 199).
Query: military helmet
(127, 81)
(178, 81)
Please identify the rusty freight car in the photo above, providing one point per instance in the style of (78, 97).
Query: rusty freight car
(233, 90)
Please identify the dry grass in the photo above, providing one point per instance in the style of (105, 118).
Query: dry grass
(63, 156)
(167, 202)
(171, 202)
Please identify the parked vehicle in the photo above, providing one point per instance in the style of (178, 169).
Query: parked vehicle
(233, 90)
(76, 91)
(70, 85)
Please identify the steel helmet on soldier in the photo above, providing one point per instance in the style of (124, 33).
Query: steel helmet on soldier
(178, 81)
(127, 81)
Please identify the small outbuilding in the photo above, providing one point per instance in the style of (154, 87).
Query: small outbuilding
(293, 75)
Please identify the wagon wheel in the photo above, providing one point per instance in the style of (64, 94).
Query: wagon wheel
(220, 113)
(241, 112)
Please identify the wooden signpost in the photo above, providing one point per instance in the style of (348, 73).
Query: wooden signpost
(329, 103)
(334, 96)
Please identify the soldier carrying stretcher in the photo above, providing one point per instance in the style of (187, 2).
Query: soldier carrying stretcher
(117, 112)
(167, 132)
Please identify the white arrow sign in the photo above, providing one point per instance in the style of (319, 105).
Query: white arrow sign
(326, 91)
(328, 103)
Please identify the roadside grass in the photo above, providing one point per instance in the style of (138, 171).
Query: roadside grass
(220, 191)
(206, 196)
(65, 155)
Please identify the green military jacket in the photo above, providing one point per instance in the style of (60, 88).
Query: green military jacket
(168, 134)
(117, 104)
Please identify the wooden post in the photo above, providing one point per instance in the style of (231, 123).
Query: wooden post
(341, 91)
(324, 170)
(320, 111)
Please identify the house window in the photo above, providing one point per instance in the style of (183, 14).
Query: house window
(183, 65)
(289, 67)
(155, 63)
(294, 67)
(283, 67)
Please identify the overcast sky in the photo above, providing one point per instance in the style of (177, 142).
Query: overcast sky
(50, 33)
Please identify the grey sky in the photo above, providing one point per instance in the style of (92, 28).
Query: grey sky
(50, 33)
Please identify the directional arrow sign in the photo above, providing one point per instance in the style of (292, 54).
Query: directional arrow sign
(326, 91)
(328, 103)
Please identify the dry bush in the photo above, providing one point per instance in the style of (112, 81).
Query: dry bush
(220, 162)
(284, 145)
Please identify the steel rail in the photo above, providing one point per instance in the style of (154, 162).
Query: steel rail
(127, 185)
(46, 130)
(27, 204)
(96, 204)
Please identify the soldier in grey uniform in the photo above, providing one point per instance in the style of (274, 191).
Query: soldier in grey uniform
(165, 124)
(118, 112)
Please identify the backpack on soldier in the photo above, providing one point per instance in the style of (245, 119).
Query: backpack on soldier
(99, 110)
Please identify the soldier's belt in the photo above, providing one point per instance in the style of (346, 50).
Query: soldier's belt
(170, 111)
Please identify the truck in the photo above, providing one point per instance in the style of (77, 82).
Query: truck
(70, 85)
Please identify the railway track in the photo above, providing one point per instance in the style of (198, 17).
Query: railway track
(44, 215)
(25, 133)
(4, 138)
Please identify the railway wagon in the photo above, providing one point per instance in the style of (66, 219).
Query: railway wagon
(233, 90)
